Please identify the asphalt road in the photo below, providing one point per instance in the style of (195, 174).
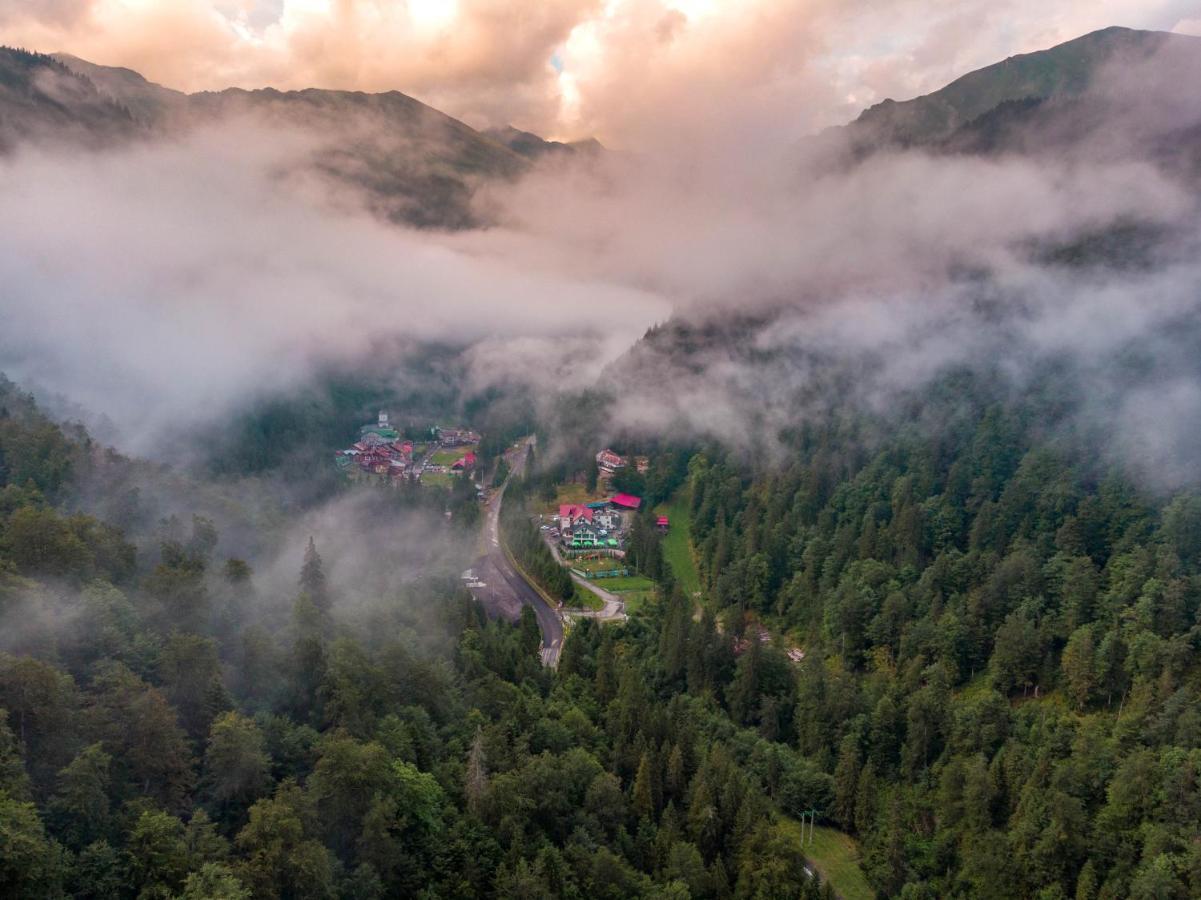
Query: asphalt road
(504, 591)
(614, 608)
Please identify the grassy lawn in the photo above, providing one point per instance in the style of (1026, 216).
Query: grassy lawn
(677, 545)
(570, 493)
(448, 455)
(604, 564)
(625, 583)
(637, 600)
(437, 479)
(585, 599)
(836, 857)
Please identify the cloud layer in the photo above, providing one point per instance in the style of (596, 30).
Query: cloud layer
(177, 281)
(172, 282)
(628, 71)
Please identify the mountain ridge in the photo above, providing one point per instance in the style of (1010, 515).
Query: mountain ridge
(414, 163)
(1065, 70)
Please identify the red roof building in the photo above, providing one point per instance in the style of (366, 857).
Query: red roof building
(661, 523)
(571, 512)
(626, 501)
(610, 461)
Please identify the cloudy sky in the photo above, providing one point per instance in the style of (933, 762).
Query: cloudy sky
(624, 70)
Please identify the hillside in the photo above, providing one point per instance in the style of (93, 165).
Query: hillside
(41, 99)
(147, 102)
(412, 163)
(1065, 71)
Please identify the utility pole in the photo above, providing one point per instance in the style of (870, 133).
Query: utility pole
(811, 814)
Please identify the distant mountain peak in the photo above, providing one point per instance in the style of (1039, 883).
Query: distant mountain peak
(1065, 70)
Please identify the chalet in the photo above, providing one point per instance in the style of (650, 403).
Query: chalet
(464, 463)
(456, 437)
(662, 524)
(626, 501)
(585, 535)
(610, 462)
(572, 517)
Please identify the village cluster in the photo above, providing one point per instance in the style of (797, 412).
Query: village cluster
(381, 453)
(600, 526)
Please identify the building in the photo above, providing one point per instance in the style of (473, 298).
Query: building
(608, 519)
(465, 463)
(379, 451)
(573, 516)
(585, 536)
(662, 524)
(456, 437)
(610, 462)
(626, 501)
(380, 432)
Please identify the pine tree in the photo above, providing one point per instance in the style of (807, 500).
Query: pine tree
(476, 780)
(846, 782)
(677, 776)
(673, 639)
(742, 695)
(312, 579)
(1079, 666)
(865, 799)
(643, 797)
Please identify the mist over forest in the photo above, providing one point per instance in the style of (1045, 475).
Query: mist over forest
(535, 483)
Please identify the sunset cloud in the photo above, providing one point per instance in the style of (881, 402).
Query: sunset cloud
(628, 71)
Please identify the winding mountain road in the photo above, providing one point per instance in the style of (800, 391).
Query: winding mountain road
(501, 588)
(613, 608)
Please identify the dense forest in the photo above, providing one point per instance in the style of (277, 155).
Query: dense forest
(1001, 630)
(998, 696)
(163, 737)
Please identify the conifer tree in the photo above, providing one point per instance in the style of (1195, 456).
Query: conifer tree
(312, 579)
(643, 796)
(476, 779)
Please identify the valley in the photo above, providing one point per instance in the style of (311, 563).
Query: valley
(661, 450)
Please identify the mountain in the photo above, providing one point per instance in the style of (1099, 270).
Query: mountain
(412, 163)
(40, 98)
(145, 100)
(1067, 71)
(415, 164)
(532, 146)
(527, 143)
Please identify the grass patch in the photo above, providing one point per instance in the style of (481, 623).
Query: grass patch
(450, 455)
(570, 493)
(436, 479)
(605, 564)
(636, 601)
(625, 583)
(835, 855)
(585, 599)
(677, 544)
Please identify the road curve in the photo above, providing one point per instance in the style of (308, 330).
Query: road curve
(613, 609)
(503, 589)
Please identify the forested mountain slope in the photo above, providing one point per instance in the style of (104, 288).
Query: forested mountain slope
(1069, 70)
(42, 99)
(411, 162)
(169, 727)
(1001, 639)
